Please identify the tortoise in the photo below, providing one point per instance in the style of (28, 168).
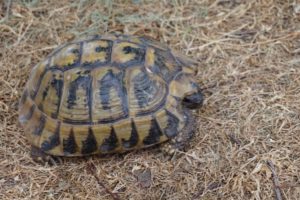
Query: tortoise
(106, 94)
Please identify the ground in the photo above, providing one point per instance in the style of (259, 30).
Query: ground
(248, 131)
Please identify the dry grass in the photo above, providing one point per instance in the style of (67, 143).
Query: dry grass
(249, 61)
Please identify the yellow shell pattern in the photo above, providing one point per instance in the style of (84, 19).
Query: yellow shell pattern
(106, 94)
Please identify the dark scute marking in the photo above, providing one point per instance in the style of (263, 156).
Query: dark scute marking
(110, 143)
(69, 145)
(52, 141)
(99, 49)
(160, 62)
(150, 111)
(110, 120)
(108, 51)
(178, 99)
(84, 82)
(139, 52)
(154, 133)
(76, 51)
(109, 81)
(134, 137)
(30, 112)
(57, 84)
(106, 83)
(45, 92)
(39, 129)
(139, 57)
(90, 144)
(33, 93)
(144, 89)
(161, 58)
(129, 49)
(24, 97)
(77, 122)
(41, 107)
(172, 125)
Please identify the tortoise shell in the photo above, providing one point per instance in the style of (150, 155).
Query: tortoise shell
(106, 94)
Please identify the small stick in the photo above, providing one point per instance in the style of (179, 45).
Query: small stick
(275, 180)
(233, 139)
(8, 7)
(212, 186)
(92, 169)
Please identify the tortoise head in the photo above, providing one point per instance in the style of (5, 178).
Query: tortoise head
(193, 99)
(187, 89)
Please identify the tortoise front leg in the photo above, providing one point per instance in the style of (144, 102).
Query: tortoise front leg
(182, 139)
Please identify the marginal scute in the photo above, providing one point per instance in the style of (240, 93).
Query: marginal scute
(36, 78)
(190, 65)
(166, 65)
(23, 107)
(69, 144)
(154, 133)
(89, 145)
(134, 137)
(53, 140)
(154, 43)
(41, 125)
(26, 117)
(110, 143)
(172, 124)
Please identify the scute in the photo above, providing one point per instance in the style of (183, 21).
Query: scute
(110, 101)
(67, 57)
(105, 94)
(76, 100)
(147, 93)
(49, 93)
(96, 52)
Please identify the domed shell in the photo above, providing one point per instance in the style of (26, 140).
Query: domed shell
(105, 94)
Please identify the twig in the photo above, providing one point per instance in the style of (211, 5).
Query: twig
(92, 169)
(275, 180)
(8, 7)
(211, 187)
(234, 140)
